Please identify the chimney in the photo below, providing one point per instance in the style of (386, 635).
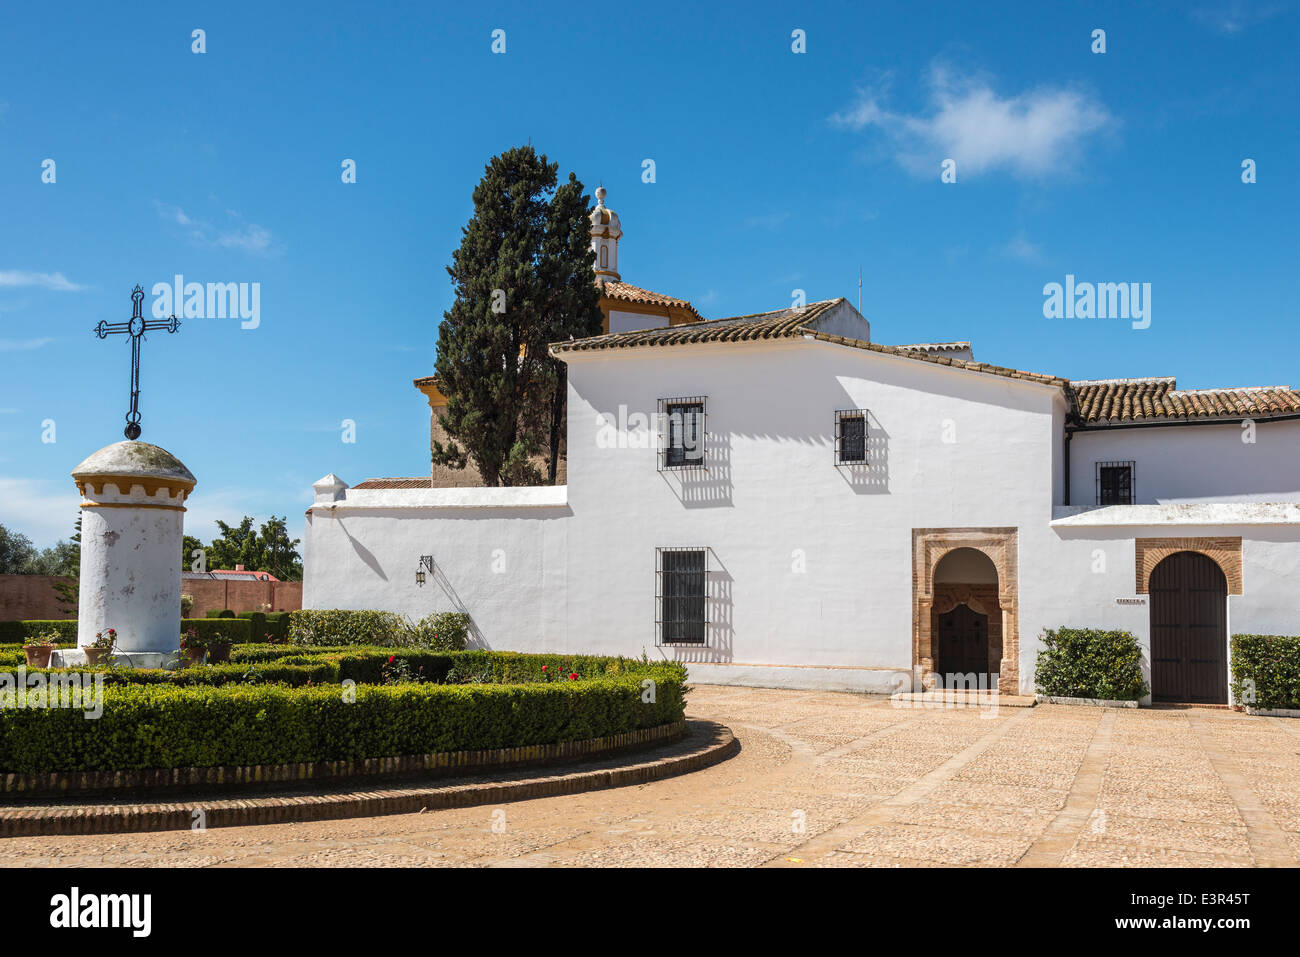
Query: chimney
(605, 234)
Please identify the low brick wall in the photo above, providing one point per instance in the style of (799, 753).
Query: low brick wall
(212, 594)
(424, 765)
(32, 598)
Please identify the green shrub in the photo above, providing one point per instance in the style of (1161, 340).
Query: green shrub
(257, 629)
(1090, 663)
(219, 613)
(292, 673)
(277, 625)
(17, 632)
(443, 631)
(168, 726)
(236, 630)
(1266, 671)
(338, 626)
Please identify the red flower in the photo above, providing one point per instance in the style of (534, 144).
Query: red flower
(573, 676)
(390, 658)
(543, 667)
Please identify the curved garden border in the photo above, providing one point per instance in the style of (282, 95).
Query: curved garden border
(698, 745)
(437, 764)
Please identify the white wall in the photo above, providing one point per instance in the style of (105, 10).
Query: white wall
(631, 321)
(1193, 463)
(810, 564)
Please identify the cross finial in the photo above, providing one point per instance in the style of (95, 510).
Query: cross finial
(136, 327)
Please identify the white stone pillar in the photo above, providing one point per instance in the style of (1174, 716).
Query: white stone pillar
(132, 528)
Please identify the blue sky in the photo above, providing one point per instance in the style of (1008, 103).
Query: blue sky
(774, 171)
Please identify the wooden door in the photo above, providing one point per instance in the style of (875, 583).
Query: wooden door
(962, 637)
(1189, 630)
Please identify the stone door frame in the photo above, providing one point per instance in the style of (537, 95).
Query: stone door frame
(929, 546)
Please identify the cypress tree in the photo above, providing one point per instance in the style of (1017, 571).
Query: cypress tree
(523, 278)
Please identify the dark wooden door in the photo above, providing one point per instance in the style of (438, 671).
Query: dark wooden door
(1189, 630)
(963, 642)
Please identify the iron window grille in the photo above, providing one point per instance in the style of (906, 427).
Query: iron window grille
(681, 596)
(682, 433)
(851, 437)
(1115, 484)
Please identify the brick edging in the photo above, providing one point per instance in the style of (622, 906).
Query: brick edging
(426, 765)
(718, 744)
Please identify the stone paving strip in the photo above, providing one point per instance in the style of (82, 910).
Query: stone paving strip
(837, 780)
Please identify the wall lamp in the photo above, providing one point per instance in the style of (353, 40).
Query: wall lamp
(426, 561)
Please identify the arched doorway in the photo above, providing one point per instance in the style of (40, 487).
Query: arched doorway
(967, 619)
(1189, 630)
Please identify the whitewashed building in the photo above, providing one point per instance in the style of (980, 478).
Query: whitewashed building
(778, 500)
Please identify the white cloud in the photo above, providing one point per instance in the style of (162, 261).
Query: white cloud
(42, 509)
(248, 237)
(1235, 16)
(1022, 249)
(1029, 134)
(23, 345)
(45, 280)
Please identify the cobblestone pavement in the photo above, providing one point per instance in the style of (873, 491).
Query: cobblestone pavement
(840, 780)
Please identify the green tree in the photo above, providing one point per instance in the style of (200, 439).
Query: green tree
(279, 551)
(523, 278)
(16, 552)
(266, 549)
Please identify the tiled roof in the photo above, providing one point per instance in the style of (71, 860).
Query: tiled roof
(422, 482)
(783, 323)
(936, 346)
(630, 293)
(967, 364)
(1109, 401)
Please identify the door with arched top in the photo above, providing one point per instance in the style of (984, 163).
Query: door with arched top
(1189, 630)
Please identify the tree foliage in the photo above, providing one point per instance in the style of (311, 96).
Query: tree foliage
(523, 279)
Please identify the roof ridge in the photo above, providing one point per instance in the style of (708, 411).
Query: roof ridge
(1136, 380)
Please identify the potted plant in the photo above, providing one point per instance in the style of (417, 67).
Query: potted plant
(187, 605)
(192, 646)
(99, 649)
(38, 649)
(218, 648)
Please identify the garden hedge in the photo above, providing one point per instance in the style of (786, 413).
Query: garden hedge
(17, 632)
(1090, 663)
(149, 726)
(236, 630)
(1271, 665)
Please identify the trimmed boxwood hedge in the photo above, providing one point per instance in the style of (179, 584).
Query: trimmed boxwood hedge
(1272, 664)
(17, 632)
(1090, 663)
(236, 630)
(292, 673)
(146, 726)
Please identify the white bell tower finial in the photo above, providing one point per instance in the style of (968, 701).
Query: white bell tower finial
(605, 233)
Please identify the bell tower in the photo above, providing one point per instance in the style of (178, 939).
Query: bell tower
(605, 233)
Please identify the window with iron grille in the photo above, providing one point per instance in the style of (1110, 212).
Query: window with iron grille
(851, 437)
(681, 601)
(681, 433)
(1115, 483)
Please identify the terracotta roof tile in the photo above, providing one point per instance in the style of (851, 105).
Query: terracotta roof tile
(1109, 401)
(422, 482)
(781, 323)
(630, 293)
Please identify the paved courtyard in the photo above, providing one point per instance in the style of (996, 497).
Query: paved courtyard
(840, 780)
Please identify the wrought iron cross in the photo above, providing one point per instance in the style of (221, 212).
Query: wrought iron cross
(135, 328)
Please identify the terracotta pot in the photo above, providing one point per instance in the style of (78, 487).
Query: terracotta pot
(38, 656)
(96, 656)
(218, 652)
(194, 655)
